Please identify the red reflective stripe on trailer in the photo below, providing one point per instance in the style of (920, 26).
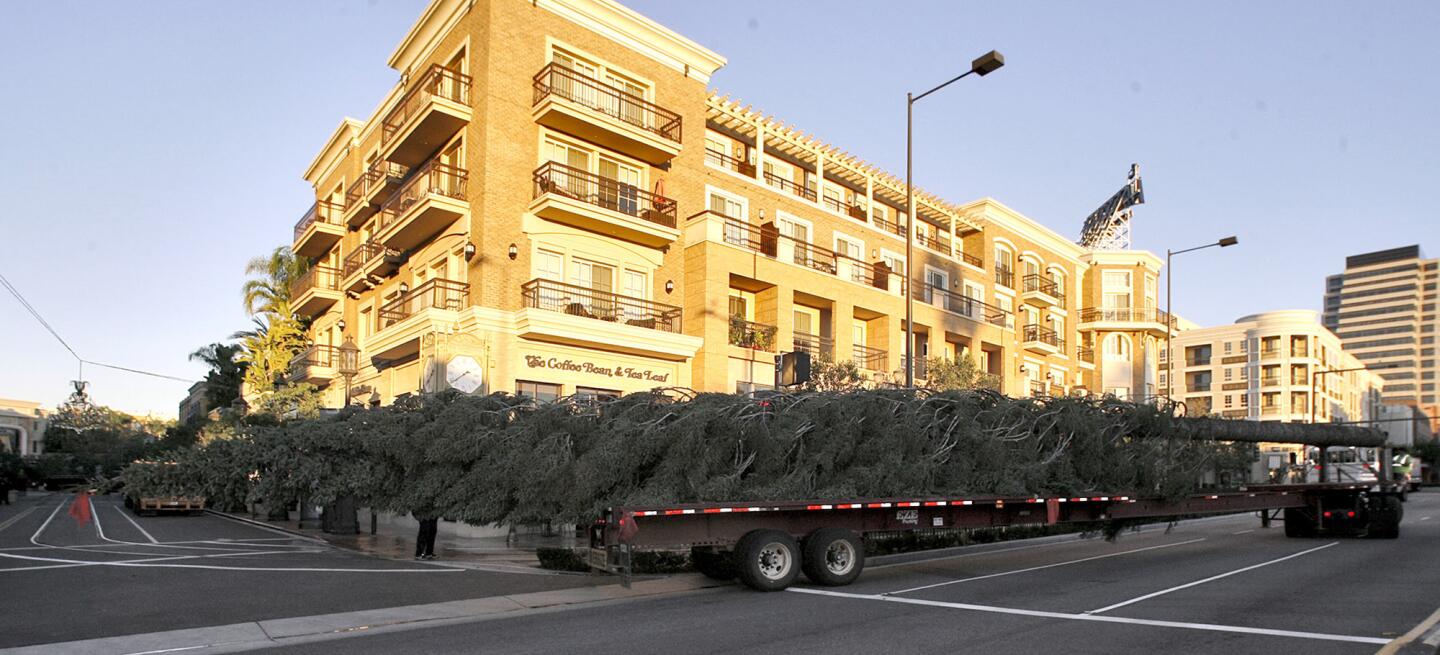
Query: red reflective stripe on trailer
(1080, 500)
(874, 505)
(934, 503)
(673, 512)
(1033, 500)
(712, 510)
(850, 506)
(907, 504)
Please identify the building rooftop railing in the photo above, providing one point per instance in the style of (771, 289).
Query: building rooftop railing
(323, 211)
(1125, 315)
(608, 193)
(437, 82)
(562, 82)
(435, 293)
(722, 160)
(575, 300)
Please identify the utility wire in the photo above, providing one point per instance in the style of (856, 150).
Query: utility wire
(41, 320)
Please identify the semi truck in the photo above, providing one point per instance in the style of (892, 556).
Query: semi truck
(768, 544)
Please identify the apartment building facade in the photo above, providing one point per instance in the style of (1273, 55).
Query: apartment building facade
(551, 202)
(1383, 308)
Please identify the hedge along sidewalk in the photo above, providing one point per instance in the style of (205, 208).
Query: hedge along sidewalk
(488, 553)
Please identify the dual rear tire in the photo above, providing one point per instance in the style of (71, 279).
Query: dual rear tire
(771, 560)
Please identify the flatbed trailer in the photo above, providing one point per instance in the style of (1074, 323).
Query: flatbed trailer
(147, 505)
(767, 544)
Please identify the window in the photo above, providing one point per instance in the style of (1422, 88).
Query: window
(1117, 346)
(592, 394)
(1058, 325)
(740, 305)
(1004, 259)
(600, 280)
(550, 266)
(728, 205)
(1116, 289)
(1150, 291)
(877, 212)
(849, 247)
(543, 392)
(1229, 400)
(636, 286)
(1006, 305)
(1227, 347)
(1229, 373)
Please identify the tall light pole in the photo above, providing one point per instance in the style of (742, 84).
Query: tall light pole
(982, 66)
(1170, 314)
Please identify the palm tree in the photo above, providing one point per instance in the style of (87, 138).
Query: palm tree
(222, 383)
(268, 348)
(277, 272)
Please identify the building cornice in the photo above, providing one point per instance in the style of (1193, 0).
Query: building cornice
(1013, 220)
(334, 151)
(425, 35)
(645, 36)
(1124, 258)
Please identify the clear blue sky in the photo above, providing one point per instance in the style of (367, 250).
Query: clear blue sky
(150, 148)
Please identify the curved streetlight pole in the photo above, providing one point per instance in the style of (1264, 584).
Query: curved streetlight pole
(1170, 315)
(982, 66)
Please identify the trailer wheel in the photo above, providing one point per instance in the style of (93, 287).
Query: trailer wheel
(767, 560)
(833, 557)
(1385, 513)
(715, 564)
(1298, 524)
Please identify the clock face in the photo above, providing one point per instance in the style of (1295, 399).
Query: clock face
(464, 373)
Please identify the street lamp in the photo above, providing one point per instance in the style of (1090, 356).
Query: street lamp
(1170, 314)
(349, 365)
(982, 66)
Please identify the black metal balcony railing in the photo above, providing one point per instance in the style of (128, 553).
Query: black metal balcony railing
(433, 178)
(1035, 333)
(608, 193)
(323, 211)
(922, 371)
(820, 348)
(562, 82)
(1034, 282)
(1125, 315)
(437, 82)
(576, 300)
(435, 293)
(1085, 354)
(722, 160)
(875, 274)
(318, 277)
(1037, 389)
(752, 335)
(1004, 276)
(362, 256)
(938, 243)
(971, 260)
(852, 210)
(810, 255)
(789, 187)
(317, 355)
(873, 359)
(893, 227)
(378, 175)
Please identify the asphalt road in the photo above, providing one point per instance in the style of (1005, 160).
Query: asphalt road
(1221, 586)
(121, 574)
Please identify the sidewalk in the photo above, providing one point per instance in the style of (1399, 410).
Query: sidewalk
(514, 553)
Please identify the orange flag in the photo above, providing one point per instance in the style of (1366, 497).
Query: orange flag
(80, 509)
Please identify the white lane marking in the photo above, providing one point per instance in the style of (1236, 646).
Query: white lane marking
(1100, 619)
(34, 537)
(16, 519)
(976, 554)
(1424, 518)
(68, 563)
(137, 525)
(1046, 566)
(266, 528)
(1244, 531)
(1212, 578)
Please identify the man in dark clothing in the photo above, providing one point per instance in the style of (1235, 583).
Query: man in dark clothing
(425, 541)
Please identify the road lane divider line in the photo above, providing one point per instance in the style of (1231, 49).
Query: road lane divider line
(1042, 567)
(34, 537)
(73, 563)
(16, 519)
(1414, 633)
(1424, 518)
(1244, 531)
(148, 536)
(1212, 627)
(1212, 578)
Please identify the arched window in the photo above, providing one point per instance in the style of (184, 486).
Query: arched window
(1117, 346)
(1004, 258)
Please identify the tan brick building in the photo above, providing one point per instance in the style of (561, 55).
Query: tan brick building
(550, 201)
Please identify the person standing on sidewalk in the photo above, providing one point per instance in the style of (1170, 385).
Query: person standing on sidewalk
(425, 541)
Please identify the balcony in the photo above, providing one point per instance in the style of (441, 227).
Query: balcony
(1041, 291)
(1040, 339)
(572, 196)
(1198, 387)
(821, 349)
(1270, 353)
(431, 306)
(789, 187)
(1270, 410)
(315, 291)
(971, 259)
(565, 313)
(955, 303)
(369, 193)
(319, 229)
(841, 207)
(1270, 381)
(315, 365)
(751, 335)
(1005, 277)
(721, 160)
(1037, 389)
(367, 265)
(1086, 355)
(1197, 361)
(593, 110)
(893, 227)
(428, 202)
(870, 359)
(933, 242)
(1152, 321)
(435, 108)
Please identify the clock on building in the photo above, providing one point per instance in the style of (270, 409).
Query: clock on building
(464, 373)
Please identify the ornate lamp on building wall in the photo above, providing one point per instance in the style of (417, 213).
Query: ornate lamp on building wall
(349, 365)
